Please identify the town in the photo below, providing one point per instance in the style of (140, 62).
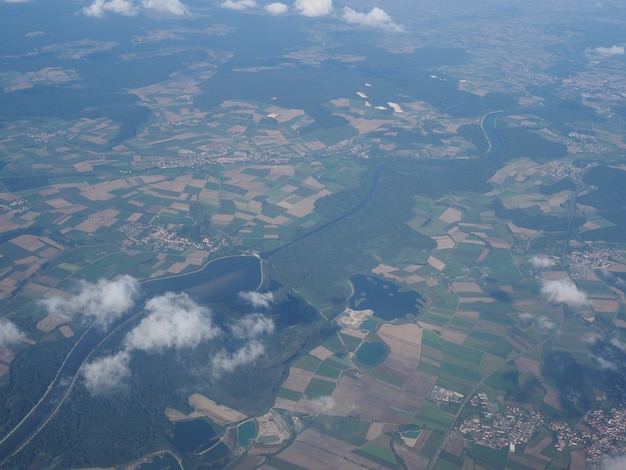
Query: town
(497, 429)
(165, 237)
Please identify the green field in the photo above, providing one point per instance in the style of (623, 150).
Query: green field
(345, 425)
(327, 371)
(432, 444)
(447, 461)
(349, 430)
(372, 353)
(351, 342)
(492, 458)
(431, 417)
(307, 362)
(319, 388)
(151, 149)
(378, 454)
(289, 394)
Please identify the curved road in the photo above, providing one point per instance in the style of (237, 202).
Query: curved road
(54, 396)
(62, 384)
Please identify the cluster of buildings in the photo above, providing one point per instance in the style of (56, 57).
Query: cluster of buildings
(41, 138)
(18, 206)
(592, 258)
(518, 76)
(165, 237)
(219, 156)
(608, 433)
(185, 122)
(603, 431)
(607, 85)
(354, 150)
(497, 429)
(565, 436)
(560, 169)
(583, 143)
(446, 395)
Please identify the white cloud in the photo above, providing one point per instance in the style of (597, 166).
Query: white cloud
(376, 17)
(239, 4)
(16, 1)
(174, 7)
(9, 333)
(323, 405)
(327, 405)
(591, 338)
(106, 374)
(545, 322)
(313, 8)
(609, 356)
(609, 276)
(176, 321)
(610, 51)
(613, 462)
(224, 361)
(540, 262)
(276, 8)
(173, 321)
(104, 300)
(618, 344)
(253, 326)
(563, 291)
(249, 330)
(603, 363)
(258, 299)
(526, 316)
(99, 8)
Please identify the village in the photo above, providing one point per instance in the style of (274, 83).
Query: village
(496, 428)
(164, 237)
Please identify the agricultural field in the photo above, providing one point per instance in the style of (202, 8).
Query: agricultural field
(438, 248)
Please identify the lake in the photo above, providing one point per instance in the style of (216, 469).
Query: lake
(386, 299)
(193, 435)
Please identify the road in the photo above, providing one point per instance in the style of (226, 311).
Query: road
(58, 391)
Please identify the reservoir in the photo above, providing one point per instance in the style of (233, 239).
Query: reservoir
(246, 432)
(219, 281)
